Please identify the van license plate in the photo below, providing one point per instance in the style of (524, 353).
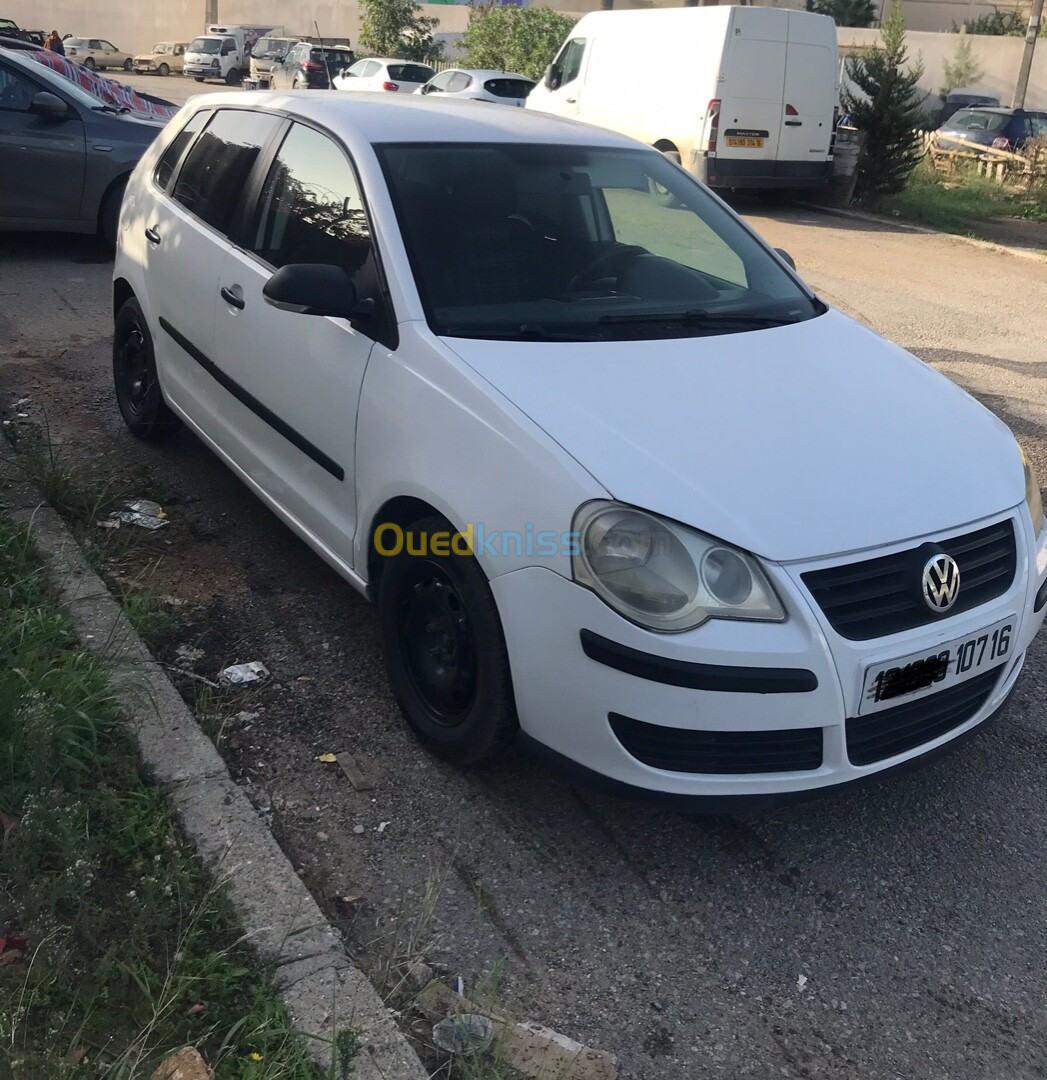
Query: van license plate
(745, 140)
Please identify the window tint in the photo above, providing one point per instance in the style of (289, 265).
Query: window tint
(571, 63)
(109, 45)
(16, 91)
(214, 174)
(410, 73)
(311, 209)
(172, 155)
(440, 83)
(94, 43)
(509, 88)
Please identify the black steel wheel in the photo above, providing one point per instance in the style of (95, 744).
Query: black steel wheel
(137, 387)
(445, 651)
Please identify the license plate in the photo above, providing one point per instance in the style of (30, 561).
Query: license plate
(923, 673)
(744, 140)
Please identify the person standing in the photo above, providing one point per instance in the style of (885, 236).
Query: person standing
(54, 43)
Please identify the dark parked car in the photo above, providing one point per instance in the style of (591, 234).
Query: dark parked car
(10, 29)
(963, 98)
(310, 67)
(1002, 129)
(67, 151)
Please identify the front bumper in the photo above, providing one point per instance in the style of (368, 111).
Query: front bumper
(737, 684)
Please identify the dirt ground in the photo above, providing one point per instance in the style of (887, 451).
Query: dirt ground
(896, 931)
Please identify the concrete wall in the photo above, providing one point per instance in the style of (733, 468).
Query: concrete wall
(998, 56)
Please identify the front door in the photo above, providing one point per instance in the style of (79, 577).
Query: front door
(560, 92)
(291, 416)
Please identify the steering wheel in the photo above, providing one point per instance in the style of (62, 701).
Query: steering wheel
(589, 270)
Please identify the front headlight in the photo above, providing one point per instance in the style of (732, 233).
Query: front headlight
(666, 576)
(1032, 495)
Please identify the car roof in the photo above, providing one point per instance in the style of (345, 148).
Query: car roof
(387, 118)
(396, 60)
(487, 73)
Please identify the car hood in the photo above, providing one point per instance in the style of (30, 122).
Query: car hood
(795, 442)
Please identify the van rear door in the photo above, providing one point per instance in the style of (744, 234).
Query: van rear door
(810, 96)
(751, 80)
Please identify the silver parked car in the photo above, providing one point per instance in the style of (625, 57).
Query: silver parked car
(66, 153)
(501, 87)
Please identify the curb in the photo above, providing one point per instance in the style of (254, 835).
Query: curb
(320, 987)
(879, 219)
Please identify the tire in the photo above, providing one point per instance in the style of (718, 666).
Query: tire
(296, 85)
(135, 381)
(163, 70)
(199, 78)
(445, 652)
(90, 64)
(233, 77)
(128, 64)
(662, 196)
(109, 215)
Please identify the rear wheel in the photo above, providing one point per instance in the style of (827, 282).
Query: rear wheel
(90, 64)
(128, 64)
(445, 651)
(199, 78)
(163, 69)
(137, 387)
(662, 195)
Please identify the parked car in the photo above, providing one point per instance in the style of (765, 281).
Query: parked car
(378, 74)
(310, 67)
(964, 98)
(1002, 129)
(502, 87)
(266, 52)
(96, 53)
(167, 56)
(10, 29)
(740, 96)
(604, 466)
(68, 142)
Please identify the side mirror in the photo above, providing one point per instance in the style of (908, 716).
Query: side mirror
(49, 105)
(552, 77)
(786, 258)
(316, 289)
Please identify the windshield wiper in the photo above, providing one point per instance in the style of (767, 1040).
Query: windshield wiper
(118, 109)
(524, 332)
(699, 318)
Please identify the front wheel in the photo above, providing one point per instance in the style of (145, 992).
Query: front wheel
(199, 78)
(137, 387)
(164, 70)
(444, 649)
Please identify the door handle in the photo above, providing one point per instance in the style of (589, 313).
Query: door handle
(231, 298)
(152, 236)
(572, 100)
(794, 123)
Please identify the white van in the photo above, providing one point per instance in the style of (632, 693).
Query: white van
(739, 96)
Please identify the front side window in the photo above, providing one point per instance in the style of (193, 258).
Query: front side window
(311, 210)
(569, 63)
(16, 91)
(459, 83)
(571, 242)
(108, 46)
(213, 177)
(173, 154)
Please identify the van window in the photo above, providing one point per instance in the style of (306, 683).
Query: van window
(569, 62)
(173, 154)
(215, 173)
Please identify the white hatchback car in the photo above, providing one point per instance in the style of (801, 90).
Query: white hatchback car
(378, 74)
(614, 476)
(476, 84)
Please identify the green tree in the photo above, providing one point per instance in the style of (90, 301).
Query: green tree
(887, 107)
(524, 40)
(398, 28)
(997, 23)
(963, 69)
(845, 12)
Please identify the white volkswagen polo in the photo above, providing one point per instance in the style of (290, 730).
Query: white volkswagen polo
(614, 476)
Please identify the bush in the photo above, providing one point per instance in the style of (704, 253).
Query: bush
(845, 12)
(398, 28)
(522, 40)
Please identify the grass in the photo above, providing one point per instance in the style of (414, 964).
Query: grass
(133, 949)
(960, 204)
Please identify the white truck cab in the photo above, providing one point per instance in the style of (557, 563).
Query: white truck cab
(224, 52)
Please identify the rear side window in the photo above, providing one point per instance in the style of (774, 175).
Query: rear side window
(410, 73)
(213, 177)
(509, 88)
(311, 209)
(173, 154)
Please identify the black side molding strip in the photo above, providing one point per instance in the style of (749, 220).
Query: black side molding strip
(739, 680)
(260, 410)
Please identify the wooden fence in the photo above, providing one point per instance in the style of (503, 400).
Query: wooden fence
(1027, 168)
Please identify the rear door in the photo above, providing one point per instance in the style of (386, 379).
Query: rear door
(810, 91)
(752, 81)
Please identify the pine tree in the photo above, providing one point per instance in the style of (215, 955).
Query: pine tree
(963, 69)
(888, 108)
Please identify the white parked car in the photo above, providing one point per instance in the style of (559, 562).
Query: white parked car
(502, 87)
(378, 74)
(96, 53)
(614, 476)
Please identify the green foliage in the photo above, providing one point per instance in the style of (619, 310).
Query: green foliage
(963, 69)
(518, 39)
(887, 108)
(845, 12)
(1012, 23)
(398, 28)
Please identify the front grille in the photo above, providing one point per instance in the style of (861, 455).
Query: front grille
(686, 750)
(893, 731)
(883, 596)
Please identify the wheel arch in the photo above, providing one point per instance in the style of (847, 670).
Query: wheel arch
(666, 146)
(117, 181)
(403, 510)
(122, 292)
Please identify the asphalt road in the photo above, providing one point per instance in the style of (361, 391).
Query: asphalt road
(896, 931)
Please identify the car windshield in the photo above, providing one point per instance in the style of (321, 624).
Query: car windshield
(163, 48)
(565, 242)
(410, 73)
(206, 45)
(978, 120)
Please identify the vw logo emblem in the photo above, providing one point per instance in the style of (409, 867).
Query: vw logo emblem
(941, 582)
